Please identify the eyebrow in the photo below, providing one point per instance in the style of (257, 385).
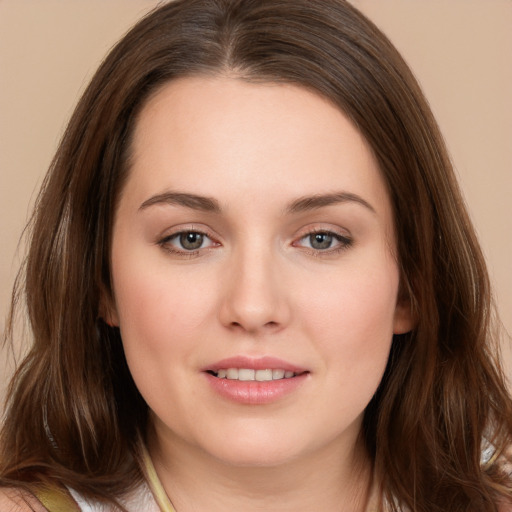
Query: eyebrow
(192, 201)
(307, 203)
(209, 204)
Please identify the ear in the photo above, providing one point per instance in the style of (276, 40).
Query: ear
(107, 308)
(404, 320)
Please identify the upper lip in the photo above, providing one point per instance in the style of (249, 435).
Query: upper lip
(254, 363)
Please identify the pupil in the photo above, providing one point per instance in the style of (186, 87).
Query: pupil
(321, 241)
(191, 241)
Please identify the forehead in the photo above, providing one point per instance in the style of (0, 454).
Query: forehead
(217, 135)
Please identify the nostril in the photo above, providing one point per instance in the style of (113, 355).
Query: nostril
(272, 325)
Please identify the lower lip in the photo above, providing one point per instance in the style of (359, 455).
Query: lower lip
(255, 392)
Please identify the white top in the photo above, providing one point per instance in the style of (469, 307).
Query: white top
(139, 500)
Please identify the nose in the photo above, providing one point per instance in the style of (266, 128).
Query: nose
(255, 298)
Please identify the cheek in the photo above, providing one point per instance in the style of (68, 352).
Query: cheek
(161, 320)
(352, 319)
(158, 310)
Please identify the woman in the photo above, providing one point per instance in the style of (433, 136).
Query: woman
(252, 283)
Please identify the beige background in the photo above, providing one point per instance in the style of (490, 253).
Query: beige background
(461, 51)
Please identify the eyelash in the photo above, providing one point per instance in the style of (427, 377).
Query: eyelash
(165, 243)
(344, 242)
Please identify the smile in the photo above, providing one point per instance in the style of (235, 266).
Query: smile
(249, 374)
(255, 380)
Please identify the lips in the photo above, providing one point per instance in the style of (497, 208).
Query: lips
(254, 381)
(257, 363)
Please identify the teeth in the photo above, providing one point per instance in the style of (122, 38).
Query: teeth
(278, 374)
(248, 374)
(232, 373)
(263, 375)
(245, 374)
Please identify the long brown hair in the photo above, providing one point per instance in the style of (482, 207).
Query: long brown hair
(74, 413)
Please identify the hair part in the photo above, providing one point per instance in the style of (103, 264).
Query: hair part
(74, 412)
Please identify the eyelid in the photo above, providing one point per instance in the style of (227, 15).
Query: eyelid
(164, 240)
(319, 227)
(345, 240)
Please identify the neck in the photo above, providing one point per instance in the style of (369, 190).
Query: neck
(333, 480)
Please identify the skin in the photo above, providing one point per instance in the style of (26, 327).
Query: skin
(259, 285)
(18, 500)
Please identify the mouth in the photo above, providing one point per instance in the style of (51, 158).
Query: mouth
(255, 381)
(249, 374)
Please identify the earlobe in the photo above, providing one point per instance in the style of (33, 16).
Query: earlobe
(110, 320)
(404, 320)
(107, 309)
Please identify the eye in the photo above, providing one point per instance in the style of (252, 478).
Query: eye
(320, 241)
(324, 241)
(190, 240)
(186, 241)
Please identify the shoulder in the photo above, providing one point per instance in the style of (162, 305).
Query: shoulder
(13, 499)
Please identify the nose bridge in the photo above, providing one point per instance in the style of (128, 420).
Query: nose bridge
(254, 297)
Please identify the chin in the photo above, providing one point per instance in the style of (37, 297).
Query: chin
(256, 457)
(260, 448)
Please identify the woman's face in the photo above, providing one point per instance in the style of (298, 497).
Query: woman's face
(255, 282)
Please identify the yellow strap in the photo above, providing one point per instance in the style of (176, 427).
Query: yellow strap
(55, 499)
(58, 499)
(155, 485)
